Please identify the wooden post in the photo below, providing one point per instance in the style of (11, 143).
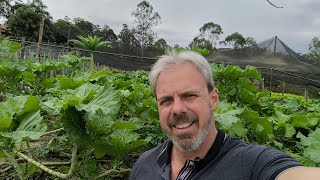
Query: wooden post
(23, 46)
(275, 45)
(40, 37)
(306, 93)
(270, 88)
(283, 87)
(262, 84)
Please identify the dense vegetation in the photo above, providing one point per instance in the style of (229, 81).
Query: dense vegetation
(60, 119)
(23, 20)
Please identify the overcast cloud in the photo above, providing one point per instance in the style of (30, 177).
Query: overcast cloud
(295, 24)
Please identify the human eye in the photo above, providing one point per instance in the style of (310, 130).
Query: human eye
(190, 96)
(165, 102)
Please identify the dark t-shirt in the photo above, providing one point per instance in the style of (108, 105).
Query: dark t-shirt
(228, 159)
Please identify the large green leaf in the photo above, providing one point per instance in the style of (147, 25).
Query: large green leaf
(289, 131)
(105, 101)
(313, 152)
(19, 105)
(301, 159)
(31, 127)
(262, 127)
(87, 91)
(238, 129)
(9, 46)
(29, 77)
(74, 124)
(52, 106)
(67, 83)
(5, 122)
(99, 123)
(227, 119)
(313, 138)
(123, 141)
(304, 121)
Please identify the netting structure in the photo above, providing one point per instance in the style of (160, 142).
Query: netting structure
(274, 59)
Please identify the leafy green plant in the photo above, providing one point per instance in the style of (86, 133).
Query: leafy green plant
(8, 49)
(234, 84)
(90, 43)
(312, 146)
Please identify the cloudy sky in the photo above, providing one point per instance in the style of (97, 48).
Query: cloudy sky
(295, 24)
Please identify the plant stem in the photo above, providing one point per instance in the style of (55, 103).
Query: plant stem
(74, 159)
(54, 131)
(29, 149)
(5, 169)
(112, 171)
(43, 163)
(41, 166)
(14, 163)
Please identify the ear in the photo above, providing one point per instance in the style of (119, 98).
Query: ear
(214, 98)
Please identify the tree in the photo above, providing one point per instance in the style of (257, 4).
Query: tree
(250, 42)
(236, 40)
(201, 43)
(7, 7)
(65, 30)
(128, 43)
(85, 27)
(159, 47)
(107, 34)
(90, 43)
(314, 51)
(25, 22)
(145, 19)
(211, 32)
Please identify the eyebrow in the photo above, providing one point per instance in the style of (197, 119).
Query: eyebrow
(182, 94)
(163, 98)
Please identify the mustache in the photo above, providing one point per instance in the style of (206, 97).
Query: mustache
(182, 118)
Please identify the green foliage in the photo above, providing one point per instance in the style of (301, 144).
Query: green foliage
(201, 43)
(314, 51)
(112, 115)
(312, 144)
(90, 43)
(145, 19)
(211, 32)
(193, 48)
(236, 40)
(7, 46)
(25, 22)
(234, 83)
(31, 127)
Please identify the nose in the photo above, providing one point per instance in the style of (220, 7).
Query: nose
(178, 107)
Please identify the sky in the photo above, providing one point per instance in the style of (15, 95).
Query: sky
(295, 24)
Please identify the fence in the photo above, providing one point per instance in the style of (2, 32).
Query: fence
(129, 62)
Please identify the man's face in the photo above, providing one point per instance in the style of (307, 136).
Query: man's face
(185, 106)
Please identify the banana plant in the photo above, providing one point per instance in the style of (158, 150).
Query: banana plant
(90, 43)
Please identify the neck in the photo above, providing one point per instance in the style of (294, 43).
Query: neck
(201, 152)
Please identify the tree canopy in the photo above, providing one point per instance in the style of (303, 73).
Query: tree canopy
(145, 19)
(314, 51)
(25, 22)
(211, 32)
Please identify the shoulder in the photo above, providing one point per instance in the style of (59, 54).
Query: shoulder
(147, 162)
(264, 162)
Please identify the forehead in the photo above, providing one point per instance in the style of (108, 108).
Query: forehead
(180, 76)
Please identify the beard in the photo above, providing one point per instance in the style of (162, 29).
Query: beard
(185, 142)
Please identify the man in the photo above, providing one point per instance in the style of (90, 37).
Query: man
(186, 98)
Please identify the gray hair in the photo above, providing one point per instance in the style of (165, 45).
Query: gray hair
(165, 62)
